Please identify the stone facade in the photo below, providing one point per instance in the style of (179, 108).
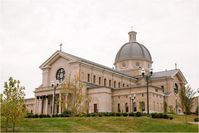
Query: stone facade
(123, 89)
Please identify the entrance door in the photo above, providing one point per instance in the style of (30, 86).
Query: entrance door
(95, 108)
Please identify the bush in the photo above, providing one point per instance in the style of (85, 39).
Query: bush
(88, 115)
(112, 114)
(93, 114)
(131, 114)
(36, 116)
(196, 119)
(125, 114)
(160, 115)
(118, 114)
(67, 112)
(138, 114)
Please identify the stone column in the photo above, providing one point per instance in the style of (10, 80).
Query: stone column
(36, 105)
(40, 105)
(46, 105)
(59, 103)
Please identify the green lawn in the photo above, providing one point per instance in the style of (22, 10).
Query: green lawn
(105, 124)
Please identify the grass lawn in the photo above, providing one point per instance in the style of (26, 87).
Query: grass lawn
(105, 124)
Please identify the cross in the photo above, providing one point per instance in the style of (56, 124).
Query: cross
(60, 45)
(175, 65)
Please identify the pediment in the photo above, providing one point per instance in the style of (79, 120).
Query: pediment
(54, 57)
(180, 77)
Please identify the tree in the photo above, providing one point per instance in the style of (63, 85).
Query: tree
(186, 99)
(12, 102)
(74, 96)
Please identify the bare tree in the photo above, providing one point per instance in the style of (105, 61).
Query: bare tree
(74, 97)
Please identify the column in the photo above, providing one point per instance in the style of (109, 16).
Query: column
(40, 105)
(46, 105)
(59, 103)
(36, 106)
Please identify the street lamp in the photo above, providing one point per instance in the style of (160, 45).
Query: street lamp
(147, 78)
(54, 86)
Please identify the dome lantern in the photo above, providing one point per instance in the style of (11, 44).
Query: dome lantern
(132, 36)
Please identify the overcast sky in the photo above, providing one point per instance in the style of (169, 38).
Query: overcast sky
(31, 31)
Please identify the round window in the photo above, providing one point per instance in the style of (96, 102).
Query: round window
(60, 75)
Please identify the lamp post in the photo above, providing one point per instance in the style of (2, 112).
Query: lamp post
(147, 78)
(54, 86)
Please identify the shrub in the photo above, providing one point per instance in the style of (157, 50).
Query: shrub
(67, 112)
(88, 115)
(138, 114)
(93, 114)
(41, 116)
(36, 116)
(100, 114)
(160, 115)
(112, 114)
(165, 116)
(118, 114)
(196, 119)
(131, 114)
(125, 114)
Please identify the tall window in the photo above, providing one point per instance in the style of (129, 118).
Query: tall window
(99, 80)
(104, 82)
(114, 84)
(126, 107)
(88, 78)
(118, 84)
(109, 83)
(95, 108)
(94, 79)
(118, 107)
(123, 85)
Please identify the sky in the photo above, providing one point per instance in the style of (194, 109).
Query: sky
(31, 31)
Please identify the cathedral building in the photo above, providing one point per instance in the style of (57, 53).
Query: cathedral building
(131, 86)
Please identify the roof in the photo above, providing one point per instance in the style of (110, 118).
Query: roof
(133, 50)
(165, 73)
(161, 74)
(81, 60)
(168, 73)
